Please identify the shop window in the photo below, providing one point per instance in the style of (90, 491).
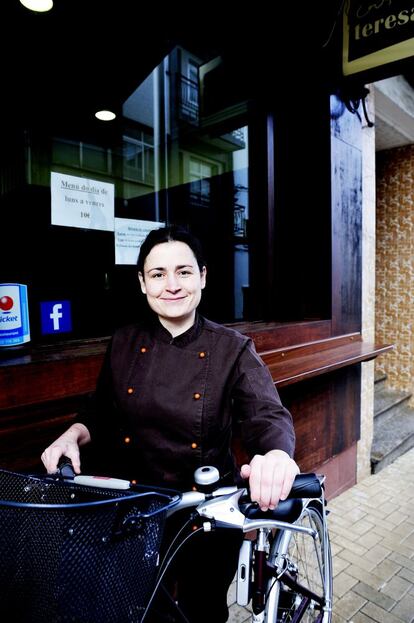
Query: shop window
(190, 147)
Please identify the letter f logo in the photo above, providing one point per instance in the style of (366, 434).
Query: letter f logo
(55, 315)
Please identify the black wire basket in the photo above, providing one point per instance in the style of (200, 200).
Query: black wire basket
(79, 554)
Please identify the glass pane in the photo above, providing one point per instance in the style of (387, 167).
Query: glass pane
(175, 155)
(95, 158)
(192, 169)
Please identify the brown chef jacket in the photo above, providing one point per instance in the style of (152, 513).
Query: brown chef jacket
(165, 406)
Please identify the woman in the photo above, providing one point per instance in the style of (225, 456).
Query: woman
(167, 400)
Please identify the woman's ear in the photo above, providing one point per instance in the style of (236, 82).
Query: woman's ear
(142, 282)
(203, 275)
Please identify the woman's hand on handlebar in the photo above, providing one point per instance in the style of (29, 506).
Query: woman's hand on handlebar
(270, 477)
(66, 445)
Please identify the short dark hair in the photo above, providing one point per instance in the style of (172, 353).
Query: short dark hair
(170, 234)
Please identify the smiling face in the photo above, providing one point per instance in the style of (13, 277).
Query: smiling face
(172, 282)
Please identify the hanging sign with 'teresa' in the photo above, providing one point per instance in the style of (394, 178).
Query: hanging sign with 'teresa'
(376, 33)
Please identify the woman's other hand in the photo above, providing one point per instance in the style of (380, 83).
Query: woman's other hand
(270, 477)
(66, 445)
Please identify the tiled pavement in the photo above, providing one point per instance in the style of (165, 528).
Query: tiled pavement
(372, 535)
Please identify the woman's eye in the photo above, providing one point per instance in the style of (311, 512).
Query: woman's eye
(157, 275)
(184, 273)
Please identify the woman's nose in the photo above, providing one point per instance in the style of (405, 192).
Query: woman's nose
(172, 282)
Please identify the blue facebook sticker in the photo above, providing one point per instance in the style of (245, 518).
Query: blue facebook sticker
(55, 317)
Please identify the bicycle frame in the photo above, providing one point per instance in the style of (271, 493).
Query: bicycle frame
(224, 512)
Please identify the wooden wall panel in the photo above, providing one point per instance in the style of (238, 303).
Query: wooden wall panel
(346, 167)
(326, 413)
(32, 384)
(280, 335)
(38, 401)
(26, 431)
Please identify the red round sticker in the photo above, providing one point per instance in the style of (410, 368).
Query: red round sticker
(6, 303)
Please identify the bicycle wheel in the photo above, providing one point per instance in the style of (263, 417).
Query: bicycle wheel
(309, 565)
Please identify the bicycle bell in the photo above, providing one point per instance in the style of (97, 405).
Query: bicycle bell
(205, 477)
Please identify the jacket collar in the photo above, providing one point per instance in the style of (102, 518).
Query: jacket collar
(159, 332)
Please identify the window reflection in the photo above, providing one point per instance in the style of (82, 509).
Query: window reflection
(138, 158)
(191, 167)
(171, 157)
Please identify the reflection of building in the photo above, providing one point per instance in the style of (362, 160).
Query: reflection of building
(239, 221)
(203, 167)
(188, 98)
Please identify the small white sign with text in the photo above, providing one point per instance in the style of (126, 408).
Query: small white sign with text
(129, 236)
(81, 202)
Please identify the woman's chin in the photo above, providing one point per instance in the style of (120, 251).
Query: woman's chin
(178, 316)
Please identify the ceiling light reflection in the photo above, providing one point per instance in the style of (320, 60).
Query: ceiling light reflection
(40, 6)
(105, 115)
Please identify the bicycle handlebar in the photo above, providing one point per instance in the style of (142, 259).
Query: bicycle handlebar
(306, 486)
(221, 506)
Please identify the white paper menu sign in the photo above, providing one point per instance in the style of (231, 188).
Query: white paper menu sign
(129, 235)
(82, 202)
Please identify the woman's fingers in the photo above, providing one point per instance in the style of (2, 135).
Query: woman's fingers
(255, 478)
(292, 470)
(75, 458)
(66, 445)
(53, 453)
(245, 470)
(271, 478)
(50, 458)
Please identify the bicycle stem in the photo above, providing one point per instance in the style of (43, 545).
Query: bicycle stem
(190, 499)
(224, 511)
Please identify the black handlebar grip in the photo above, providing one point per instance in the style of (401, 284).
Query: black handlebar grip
(65, 468)
(306, 486)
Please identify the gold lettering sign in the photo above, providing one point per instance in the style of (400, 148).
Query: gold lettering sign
(376, 32)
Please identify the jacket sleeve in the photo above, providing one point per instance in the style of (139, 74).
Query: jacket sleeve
(264, 422)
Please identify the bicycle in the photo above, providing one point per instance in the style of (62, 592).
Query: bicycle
(286, 571)
(103, 537)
